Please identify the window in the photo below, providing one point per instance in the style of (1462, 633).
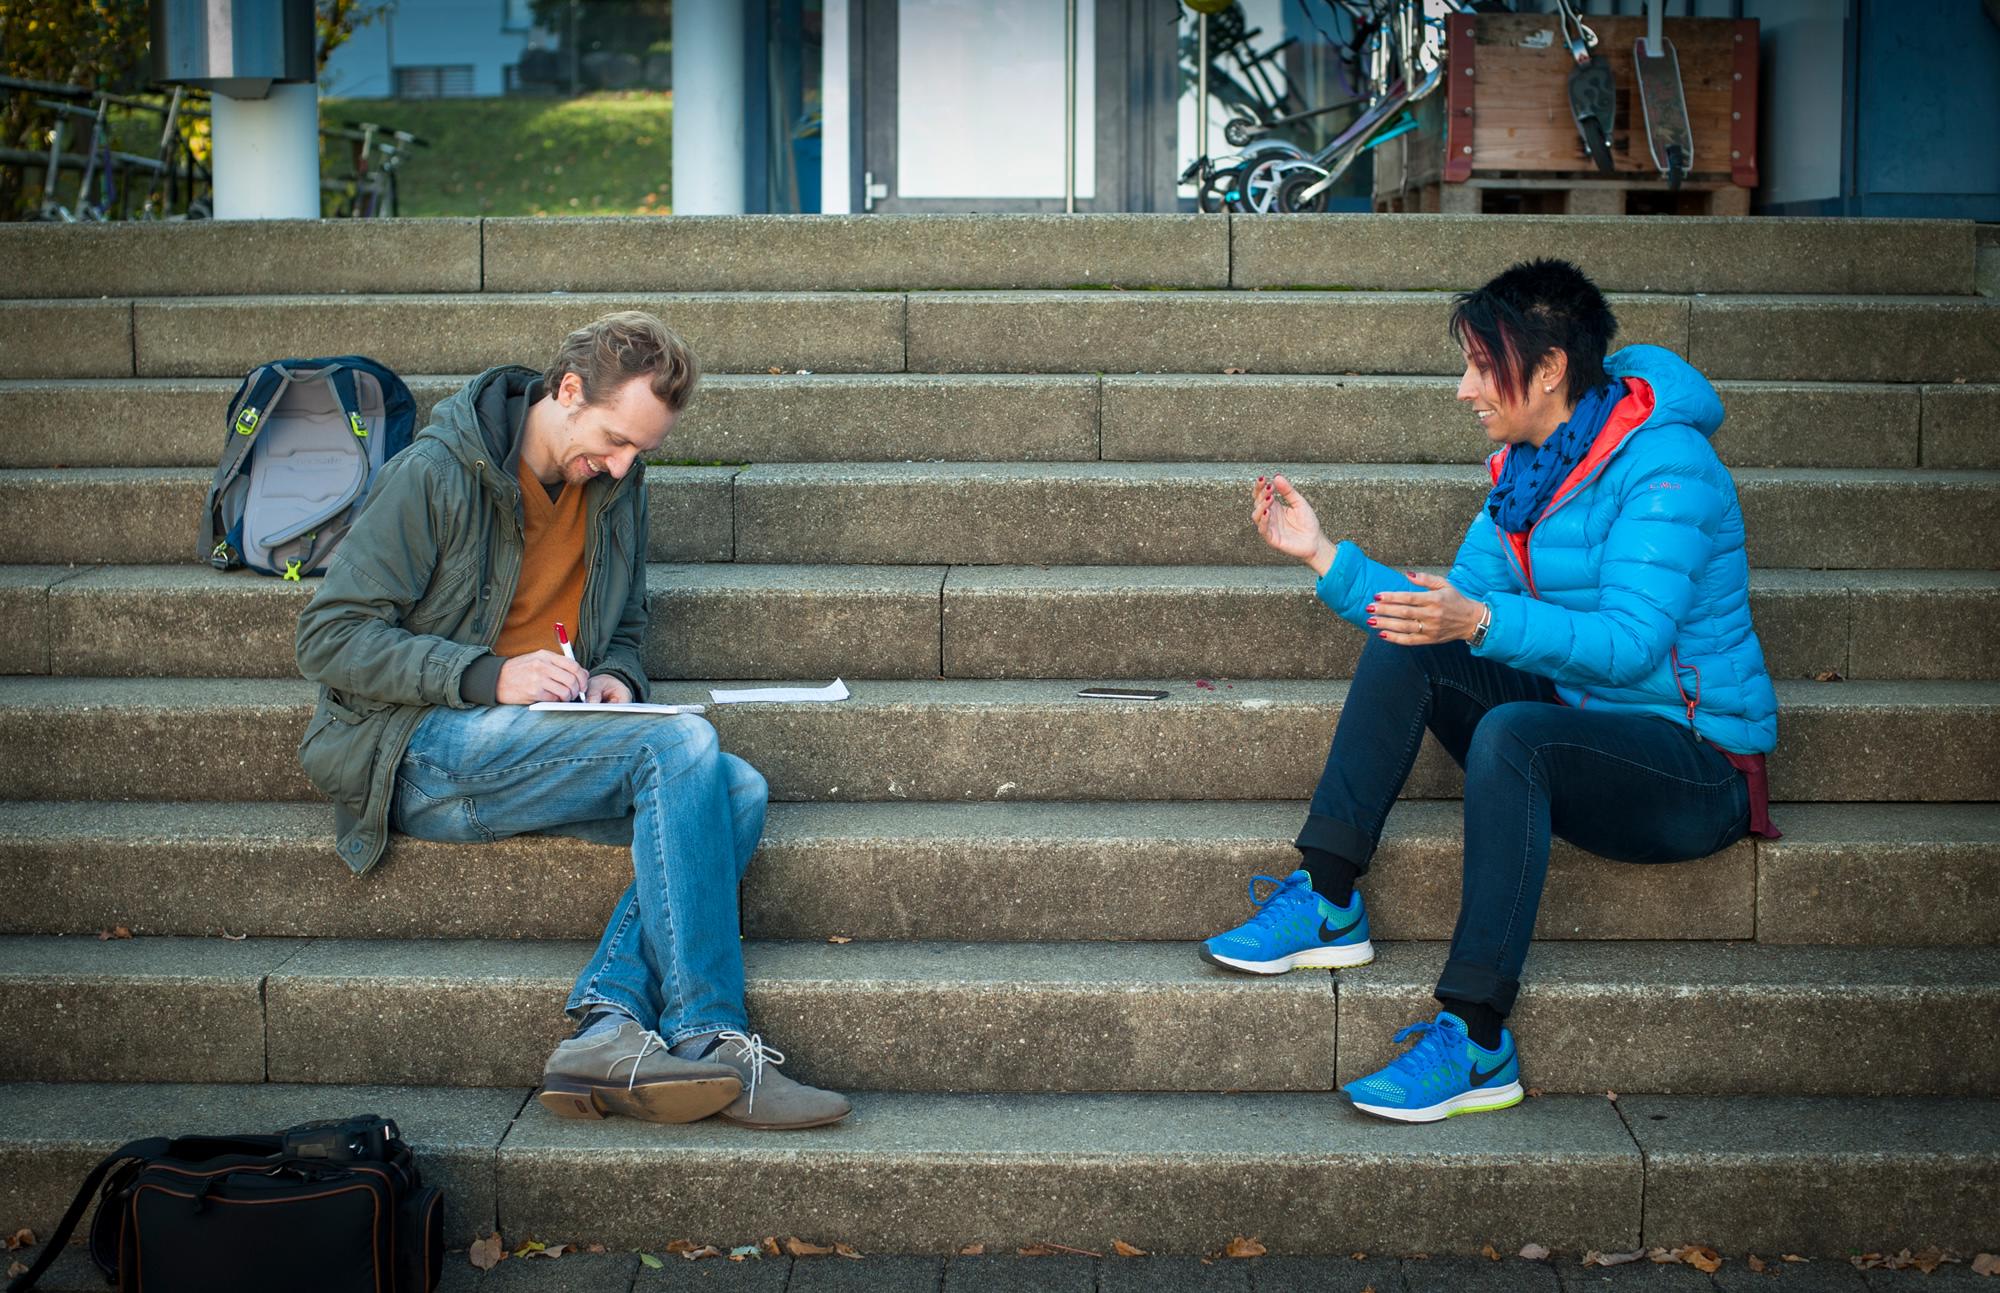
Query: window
(440, 81)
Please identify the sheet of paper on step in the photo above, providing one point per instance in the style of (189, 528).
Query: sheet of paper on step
(835, 690)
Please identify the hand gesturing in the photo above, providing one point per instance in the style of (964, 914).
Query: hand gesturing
(1288, 523)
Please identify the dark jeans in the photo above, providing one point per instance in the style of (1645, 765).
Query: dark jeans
(1628, 787)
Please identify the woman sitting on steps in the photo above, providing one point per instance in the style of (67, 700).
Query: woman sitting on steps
(1589, 661)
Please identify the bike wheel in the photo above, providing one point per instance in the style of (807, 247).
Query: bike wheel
(1294, 184)
(1214, 194)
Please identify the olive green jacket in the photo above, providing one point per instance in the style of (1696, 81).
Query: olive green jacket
(418, 590)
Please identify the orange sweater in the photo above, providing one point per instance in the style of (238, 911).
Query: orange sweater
(551, 586)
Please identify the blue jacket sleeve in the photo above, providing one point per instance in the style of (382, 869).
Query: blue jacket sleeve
(1658, 543)
(1353, 578)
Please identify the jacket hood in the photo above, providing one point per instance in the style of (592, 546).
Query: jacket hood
(478, 421)
(1680, 393)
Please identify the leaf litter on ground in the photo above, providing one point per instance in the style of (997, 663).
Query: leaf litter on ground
(487, 1253)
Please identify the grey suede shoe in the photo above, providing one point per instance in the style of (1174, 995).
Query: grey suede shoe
(770, 1100)
(630, 1071)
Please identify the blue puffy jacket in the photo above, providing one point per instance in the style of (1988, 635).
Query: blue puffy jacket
(1631, 591)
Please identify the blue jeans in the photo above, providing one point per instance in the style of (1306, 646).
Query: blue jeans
(1629, 787)
(672, 955)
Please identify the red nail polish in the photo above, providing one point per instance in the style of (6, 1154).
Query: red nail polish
(1371, 619)
(1371, 608)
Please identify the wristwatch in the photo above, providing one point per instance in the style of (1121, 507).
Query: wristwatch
(1485, 622)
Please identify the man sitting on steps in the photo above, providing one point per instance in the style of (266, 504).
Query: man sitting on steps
(521, 506)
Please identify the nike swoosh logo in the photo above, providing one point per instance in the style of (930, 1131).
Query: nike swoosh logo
(1481, 1079)
(1328, 935)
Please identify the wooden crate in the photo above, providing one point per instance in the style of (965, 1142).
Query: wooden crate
(1500, 133)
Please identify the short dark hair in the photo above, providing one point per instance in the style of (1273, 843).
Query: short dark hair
(619, 347)
(1537, 306)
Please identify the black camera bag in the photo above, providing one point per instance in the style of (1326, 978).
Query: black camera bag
(335, 1207)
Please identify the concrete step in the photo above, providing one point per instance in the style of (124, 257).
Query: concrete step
(876, 1016)
(772, 621)
(1005, 417)
(1067, 514)
(235, 739)
(1782, 338)
(1807, 338)
(1897, 874)
(1175, 1174)
(153, 514)
(888, 252)
(225, 336)
(1686, 1018)
(1079, 514)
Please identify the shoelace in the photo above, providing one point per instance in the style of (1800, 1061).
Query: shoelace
(652, 1043)
(1433, 1047)
(759, 1055)
(1268, 907)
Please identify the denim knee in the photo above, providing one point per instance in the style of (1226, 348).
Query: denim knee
(1504, 744)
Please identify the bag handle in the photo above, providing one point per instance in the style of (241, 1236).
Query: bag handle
(151, 1148)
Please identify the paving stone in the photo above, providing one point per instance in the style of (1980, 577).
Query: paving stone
(1326, 1275)
(860, 252)
(44, 339)
(1173, 1275)
(1001, 1274)
(570, 1273)
(87, 1010)
(1892, 873)
(1945, 1279)
(52, 1134)
(932, 1016)
(232, 257)
(1959, 425)
(844, 1275)
(185, 621)
(1714, 1018)
(1641, 1276)
(1168, 1173)
(1620, 253)
(1206, 332)
(1854, 339)
(729, 332)
(1829, 1275)
(24, 608)
(1821, 1177)
(763, 1275)
(1478, 1275)
(1810, 517)
(1937, 626)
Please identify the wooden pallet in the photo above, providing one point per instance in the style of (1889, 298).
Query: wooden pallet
(1500, 136)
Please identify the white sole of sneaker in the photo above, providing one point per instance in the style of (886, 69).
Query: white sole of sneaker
(1313, 958)
(1483, 1100)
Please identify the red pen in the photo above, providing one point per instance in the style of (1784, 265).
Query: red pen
(562, 640)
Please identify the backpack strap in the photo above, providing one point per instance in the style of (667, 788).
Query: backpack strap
(340, 377)
(144, 1150)
(261, 391)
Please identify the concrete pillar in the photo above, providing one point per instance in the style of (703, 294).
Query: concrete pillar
(708, 107)
(266, 158)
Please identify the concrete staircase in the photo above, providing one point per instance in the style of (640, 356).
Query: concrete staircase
(1016, 460)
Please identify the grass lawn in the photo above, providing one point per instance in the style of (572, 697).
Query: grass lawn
(604, 154)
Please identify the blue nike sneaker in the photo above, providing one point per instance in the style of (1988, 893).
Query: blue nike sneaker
(1445, 1074)
(1293, 927)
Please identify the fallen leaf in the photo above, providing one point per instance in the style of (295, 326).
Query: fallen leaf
(106, 935)
(746, 1250)
(1986, 1264)
(1828, 675)
(234, 938)
(706, 1250)
(798, 1247)
(552, 1251)
(839, 938)
(1036, 1250)
(1663, 1256)
(650, 1262)
(1534, 1093)
(1929, 1259)
(597, 1248)
(1611, 1096)
(1595, 1258)
(1534, 1252)
(1367, 1288)
(1794, 1257)
(22, 1238)
(1124, 1249)
(774, 370)
(530, 1246)
(1234, 372)
(1755, 1263)
(487, 1253)
(770, 1246)
(1489, 1252)
(1705, 1260)
(973, 1250)
(16, 1268)
(679, 1246)
(846, 1250)
(1357, 1257)
(1241, 1247)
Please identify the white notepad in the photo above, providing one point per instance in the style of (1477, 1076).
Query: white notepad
(597, 707)
(835, 690)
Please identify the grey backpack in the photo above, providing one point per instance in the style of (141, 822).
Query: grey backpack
(305, 439)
